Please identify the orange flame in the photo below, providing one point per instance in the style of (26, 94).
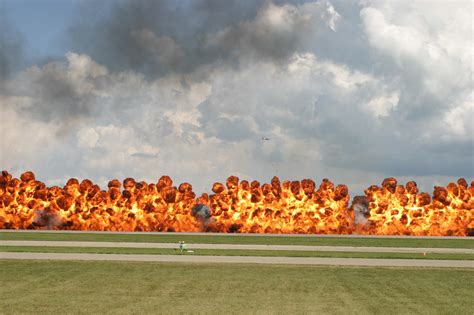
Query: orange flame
(288, 207)
(29, 204)
(293, 207)
(395, 209)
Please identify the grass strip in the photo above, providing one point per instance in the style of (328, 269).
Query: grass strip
(234, 252)
(242, 239)
(58, 287)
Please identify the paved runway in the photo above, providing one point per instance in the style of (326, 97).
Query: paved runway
(241, 247)
(245, 260)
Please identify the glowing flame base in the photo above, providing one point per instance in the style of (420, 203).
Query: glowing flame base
(237, 206)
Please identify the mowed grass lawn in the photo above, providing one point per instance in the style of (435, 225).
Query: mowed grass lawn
(241, 239)
(133, 287)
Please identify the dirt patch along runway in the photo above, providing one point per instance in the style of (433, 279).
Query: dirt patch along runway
(241, 247)
(244, 260)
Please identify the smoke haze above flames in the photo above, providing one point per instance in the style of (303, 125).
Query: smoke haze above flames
(352, 91)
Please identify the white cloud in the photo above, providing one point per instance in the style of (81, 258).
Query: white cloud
(88, 138)
(23, 142)
(382, 105)
(459, 120)
(331, 16)
(434, 39)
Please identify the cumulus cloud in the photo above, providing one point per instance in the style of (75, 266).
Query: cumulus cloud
(383, 105)
(431, 48)
(427, 40)
(195, 100)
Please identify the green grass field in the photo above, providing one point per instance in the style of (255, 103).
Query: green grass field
(137, 287)
(234, 252)
(54, 287)
(242, 239)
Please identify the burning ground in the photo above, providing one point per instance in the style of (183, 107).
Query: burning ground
(236, 206)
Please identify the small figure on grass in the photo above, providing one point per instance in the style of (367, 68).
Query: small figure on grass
(182, 246)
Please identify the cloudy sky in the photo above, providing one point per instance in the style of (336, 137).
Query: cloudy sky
(354, 91)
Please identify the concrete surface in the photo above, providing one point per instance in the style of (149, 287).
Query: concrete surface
(245, 260)
(240, 247)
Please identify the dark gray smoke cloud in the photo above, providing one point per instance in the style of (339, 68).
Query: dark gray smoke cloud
(11, 48)
(57, 99)
(62, 92)
(159, 37)
(135, 34)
